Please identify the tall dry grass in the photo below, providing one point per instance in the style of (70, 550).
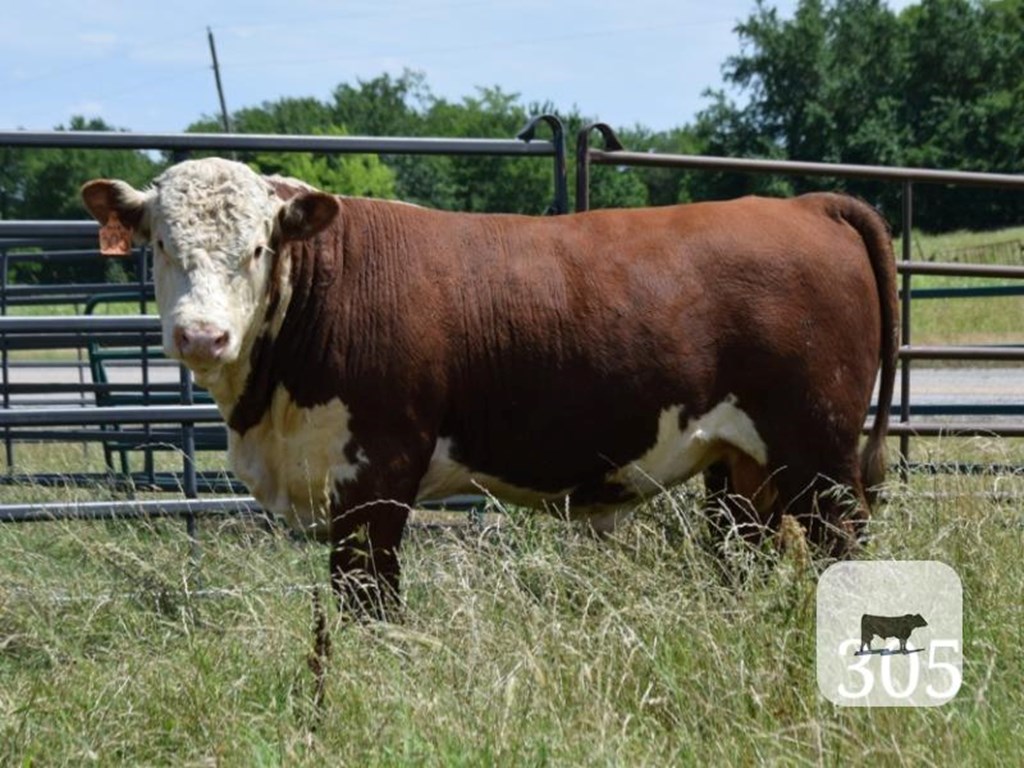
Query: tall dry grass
(525, 643)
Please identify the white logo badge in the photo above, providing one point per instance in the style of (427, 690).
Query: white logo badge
(890, 633)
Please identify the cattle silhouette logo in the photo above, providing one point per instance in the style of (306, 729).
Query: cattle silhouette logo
(884, 627)
(871, 651)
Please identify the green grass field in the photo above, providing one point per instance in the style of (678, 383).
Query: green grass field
(965, 320)
(527, 643)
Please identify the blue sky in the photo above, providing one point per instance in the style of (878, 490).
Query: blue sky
(145, 65)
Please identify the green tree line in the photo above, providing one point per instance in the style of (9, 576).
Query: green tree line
(938, 84)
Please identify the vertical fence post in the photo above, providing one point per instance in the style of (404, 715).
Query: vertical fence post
(560, 204)
(611, 144)
(583, 170)
(188, 469)
(149, 457)
(8, 443)
(908, 223)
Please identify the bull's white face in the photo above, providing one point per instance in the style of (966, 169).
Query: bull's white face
(214, 226)
(211, 226)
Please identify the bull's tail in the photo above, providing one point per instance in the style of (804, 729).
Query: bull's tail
(875, 233)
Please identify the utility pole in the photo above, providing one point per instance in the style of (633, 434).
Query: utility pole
(220, 88)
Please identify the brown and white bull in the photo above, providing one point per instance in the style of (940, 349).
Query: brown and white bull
(368, 354)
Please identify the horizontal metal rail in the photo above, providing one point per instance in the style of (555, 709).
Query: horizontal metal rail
(68, 298)
(49, 332)
(963, 352)
(979, 271)
(89, 387)
(958, 409)
(50, 230)
(801, 168)
(209, 482)
(525, 144)
(167, 436)
(53, 255)
(73, 364)
(122, 414)
(978, 292)
(80, 324)
(274, 143)
(950, 429)
(111, 510)
(953, 269)
(49, 401)
(161, 508)
(40, 242)
(965, 468)
(12, 341)
(107, 289)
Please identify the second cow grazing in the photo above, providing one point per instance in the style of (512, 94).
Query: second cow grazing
(368, 354)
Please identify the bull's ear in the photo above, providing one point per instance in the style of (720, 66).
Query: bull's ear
(121, 211)
(306, 215)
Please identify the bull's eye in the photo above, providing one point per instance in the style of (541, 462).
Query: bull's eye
(257, 253)
(160, 245)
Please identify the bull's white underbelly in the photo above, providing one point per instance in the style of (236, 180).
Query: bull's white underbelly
(679, 454)
(447, 477)
(676, 455)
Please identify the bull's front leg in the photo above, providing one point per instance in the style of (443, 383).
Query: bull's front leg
(368, 518)
(366, 534)
(365, 538)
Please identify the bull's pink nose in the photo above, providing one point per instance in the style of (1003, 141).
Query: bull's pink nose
(201, 343)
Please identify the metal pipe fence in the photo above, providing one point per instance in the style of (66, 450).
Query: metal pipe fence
(152, 419)
(119, 510)
(180, 145)
(155, 419)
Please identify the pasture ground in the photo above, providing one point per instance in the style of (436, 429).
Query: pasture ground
(526, 643)
(993, 320)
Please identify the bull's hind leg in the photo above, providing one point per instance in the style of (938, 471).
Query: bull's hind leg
(740, 498)
(725, 512)
(829, 503)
